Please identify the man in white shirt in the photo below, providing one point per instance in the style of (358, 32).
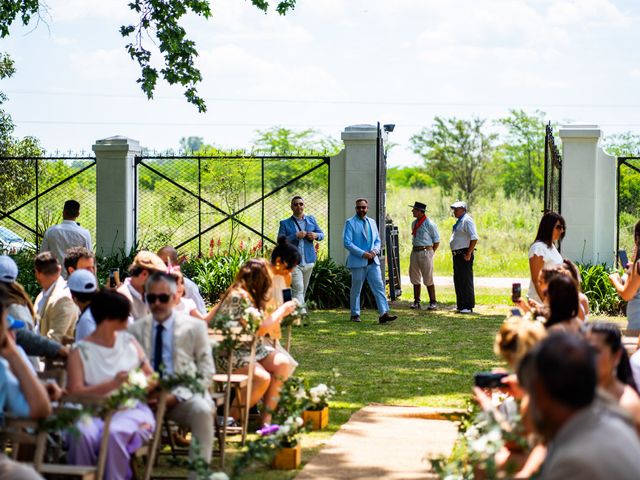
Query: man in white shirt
(83, 286)
(463, 242)
(59, 238)
(144, 265)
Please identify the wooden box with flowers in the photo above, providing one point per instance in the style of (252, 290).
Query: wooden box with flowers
(316, 415)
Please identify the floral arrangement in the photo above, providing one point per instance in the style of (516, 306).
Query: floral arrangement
(295, 317)
(483, 434)
(231, 328)
(319, 396)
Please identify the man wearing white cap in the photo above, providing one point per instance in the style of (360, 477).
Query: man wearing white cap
(463, 241)
(83, 286)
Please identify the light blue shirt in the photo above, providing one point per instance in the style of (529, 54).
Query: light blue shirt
(464, 231)
(86, 325)
(12, 399)
(426, 235)
(167, 343)
(302, 223)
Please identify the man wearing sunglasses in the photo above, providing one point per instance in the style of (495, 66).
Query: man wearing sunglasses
(144, 264)
(177, 343)
(301, 230)
(362, 240)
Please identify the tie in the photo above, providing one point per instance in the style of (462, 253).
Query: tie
(366, 227)
(157, 352)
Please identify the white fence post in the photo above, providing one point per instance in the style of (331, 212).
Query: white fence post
(353, 174)
(588, 196)
(115, 194)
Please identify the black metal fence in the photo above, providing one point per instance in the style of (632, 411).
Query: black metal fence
(33, 191)
(628, 209)
(215, 203)
(552, 173)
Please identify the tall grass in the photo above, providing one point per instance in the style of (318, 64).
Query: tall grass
(506, 226)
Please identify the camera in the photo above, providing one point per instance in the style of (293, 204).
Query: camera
(488, 379)
(114, 278)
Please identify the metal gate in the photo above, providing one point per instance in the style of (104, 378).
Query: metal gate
(33, 191)
(552, 173)
(628, 205)
(216, 203)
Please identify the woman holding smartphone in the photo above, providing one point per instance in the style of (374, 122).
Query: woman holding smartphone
(629, 288)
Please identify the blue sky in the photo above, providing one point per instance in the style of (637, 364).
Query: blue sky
(329, 64)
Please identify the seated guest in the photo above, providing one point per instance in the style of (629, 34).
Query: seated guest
(183, 304)
(169, 256)
(21, 393)
(570, 267)
(20, 306)
(584, 438)
(515, 338)
(144, 264)
(562, 298)
(615, 377)
(251, 289)
(99, 365)
(79, 258)
(178, 343)
(55, 309)
(83, 287)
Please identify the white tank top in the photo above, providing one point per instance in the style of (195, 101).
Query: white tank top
(102, 363)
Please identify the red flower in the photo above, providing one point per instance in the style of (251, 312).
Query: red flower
(241, 245)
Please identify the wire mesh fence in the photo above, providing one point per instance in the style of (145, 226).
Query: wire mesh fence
(628, 200)
(204, 203)
(33, 191)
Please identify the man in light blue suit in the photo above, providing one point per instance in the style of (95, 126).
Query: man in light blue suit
(303, 231)
(362, 240)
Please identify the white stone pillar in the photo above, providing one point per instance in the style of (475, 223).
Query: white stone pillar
(115, 194)
(588, 197)
(353, 174)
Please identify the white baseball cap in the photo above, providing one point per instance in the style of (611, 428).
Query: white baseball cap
(8, 269)
(82, 281)
(459, 204)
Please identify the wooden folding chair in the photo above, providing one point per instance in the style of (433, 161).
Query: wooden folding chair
(230, 381)
(150, 449)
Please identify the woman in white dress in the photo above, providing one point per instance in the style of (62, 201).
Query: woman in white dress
(99, 365)
(543, 252)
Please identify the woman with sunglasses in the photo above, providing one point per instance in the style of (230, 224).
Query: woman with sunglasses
(629, 288)
(252, 288)
(543, 252)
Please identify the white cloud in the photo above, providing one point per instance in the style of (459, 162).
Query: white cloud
(588, 14)
(99, 66)
(76, 10)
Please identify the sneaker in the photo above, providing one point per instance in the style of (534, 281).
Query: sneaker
(355, 318)
(432, 306)
(386, 318)
(415, 305)
(465, 310)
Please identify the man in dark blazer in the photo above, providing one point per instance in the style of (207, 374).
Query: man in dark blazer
(303, 231)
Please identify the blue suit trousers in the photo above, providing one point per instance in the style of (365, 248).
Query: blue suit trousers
(373, 275)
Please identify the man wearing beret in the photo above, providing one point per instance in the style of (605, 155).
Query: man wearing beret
(425, 241)
(463, 242)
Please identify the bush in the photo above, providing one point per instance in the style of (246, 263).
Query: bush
(330, 284)
(26, 273)
(215, 273)
(603, 298)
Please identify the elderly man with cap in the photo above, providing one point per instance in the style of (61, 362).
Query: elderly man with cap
(83, 287)
(144, 265)
(463, 241)
(425, 241)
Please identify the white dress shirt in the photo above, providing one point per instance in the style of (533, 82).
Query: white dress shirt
(59, 238)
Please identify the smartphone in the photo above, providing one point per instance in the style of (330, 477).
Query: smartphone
(114, 277)
(488, 379)
(515, 312)
(516, 292)
(624, 259)
(286, 294)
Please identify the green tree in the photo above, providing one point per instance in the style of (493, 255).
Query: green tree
(457, 154)
(522, 153)
(626, 144)
(16, 175)
(284, 141)
(191, 144)
(159, 23)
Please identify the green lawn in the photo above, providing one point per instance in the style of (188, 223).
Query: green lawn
(423, 358)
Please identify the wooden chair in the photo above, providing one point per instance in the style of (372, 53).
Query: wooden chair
(228, 382)
(150, 450)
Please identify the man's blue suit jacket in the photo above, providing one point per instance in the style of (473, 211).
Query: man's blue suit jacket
(289, 229)
(357, 243)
